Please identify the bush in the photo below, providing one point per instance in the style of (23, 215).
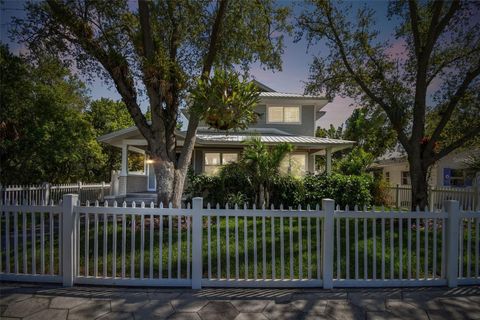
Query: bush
(380, 191)
(232, 187)
(344, 189)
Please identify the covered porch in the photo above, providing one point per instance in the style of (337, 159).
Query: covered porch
(212, 150)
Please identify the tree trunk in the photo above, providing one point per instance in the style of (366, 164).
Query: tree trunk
(165, 176)
(419, 182)
(261, 197)
(178, 187)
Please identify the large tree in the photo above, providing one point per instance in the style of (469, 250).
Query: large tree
(44, 135)
(158, 48)
(430, 66)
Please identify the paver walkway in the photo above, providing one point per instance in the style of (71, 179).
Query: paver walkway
(29, 301)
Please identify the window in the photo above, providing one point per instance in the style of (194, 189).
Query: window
(283, 114)
(406, 177)
(459, 177)
(294, 164)
(214, 161)
(387, 176)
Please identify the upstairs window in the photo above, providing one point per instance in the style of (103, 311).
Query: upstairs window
(283, 114)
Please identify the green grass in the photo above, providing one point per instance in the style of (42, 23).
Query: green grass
(263, 252)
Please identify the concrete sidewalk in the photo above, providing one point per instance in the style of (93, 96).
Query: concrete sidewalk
(29, 301)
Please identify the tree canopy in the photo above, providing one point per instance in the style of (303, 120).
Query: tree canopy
(44, 135)
(157, 50)
(436, 72)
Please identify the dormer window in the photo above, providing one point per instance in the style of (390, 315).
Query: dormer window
(283, 114)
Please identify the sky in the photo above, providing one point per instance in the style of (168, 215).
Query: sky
(292, 78)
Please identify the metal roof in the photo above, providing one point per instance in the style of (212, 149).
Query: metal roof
(289, 95)
(213, 138)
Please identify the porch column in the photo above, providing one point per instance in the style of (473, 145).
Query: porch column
(122, 179)
(329, 160)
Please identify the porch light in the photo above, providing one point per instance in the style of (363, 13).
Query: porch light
(149, 161)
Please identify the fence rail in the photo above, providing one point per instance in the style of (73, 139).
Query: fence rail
(238, 247)
(47, 193)
(400, 196)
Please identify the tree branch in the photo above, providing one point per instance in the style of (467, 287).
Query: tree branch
(119, 72)
(396, 123)
(414, 21)
(471, 75)
(189, 142)
(457, 144)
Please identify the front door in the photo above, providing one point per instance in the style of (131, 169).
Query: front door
(151, 181)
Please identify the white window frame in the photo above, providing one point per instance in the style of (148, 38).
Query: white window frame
(283, 109)
(204, 165)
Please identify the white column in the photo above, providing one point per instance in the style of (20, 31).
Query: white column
(124, 168)
(329, 160)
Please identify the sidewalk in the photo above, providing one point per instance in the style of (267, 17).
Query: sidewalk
(30, 301)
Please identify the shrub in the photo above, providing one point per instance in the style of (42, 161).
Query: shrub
(344, 189)
(287, 190)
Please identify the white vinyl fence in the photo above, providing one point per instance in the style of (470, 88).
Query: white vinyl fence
(238, 247)
(46, 193)
(468, 197)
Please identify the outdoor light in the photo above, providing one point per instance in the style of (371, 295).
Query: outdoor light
(149, 161)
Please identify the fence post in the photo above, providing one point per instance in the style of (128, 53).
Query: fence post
(452, 208)
(328, 206)
(68, 239)
(197, 228)
(102, 194)
(80, 190)
(430, 198)
(397, 196)
(46, 192)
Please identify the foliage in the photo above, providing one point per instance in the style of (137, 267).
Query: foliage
(154, 53)
(225, 102)
(44, 135)
(355, 162)
(434, 71)
(106, 115)
(380, 191)
(371, 130)
(344, 189)
(261, 164)
(331, 132)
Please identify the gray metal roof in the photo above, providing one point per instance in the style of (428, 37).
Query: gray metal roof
(213, 138)
(289, 95)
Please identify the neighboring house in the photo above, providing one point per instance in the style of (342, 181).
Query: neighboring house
(284, 117)
(450, 171)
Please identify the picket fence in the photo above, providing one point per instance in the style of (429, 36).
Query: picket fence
(45, 193)
(400, 196)
(209, 246)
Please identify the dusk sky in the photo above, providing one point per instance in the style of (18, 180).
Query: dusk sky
(291, 79)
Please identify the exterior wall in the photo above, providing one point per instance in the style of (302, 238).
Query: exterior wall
(305, 128)
(198, 160)
(451, 161)
(136, 183)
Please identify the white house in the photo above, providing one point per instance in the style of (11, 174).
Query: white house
(450, 171)
(284, 117)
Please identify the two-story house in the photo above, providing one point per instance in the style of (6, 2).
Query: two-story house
(284, 117)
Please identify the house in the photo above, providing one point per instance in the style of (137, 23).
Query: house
(450, 171)
(283, 117)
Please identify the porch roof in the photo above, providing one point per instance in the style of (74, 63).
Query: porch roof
(132, 136)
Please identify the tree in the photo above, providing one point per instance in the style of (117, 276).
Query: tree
(437, 72)
(106, 115)
(159, 49)
(44, 135)
(262, 164)
(371, 130)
